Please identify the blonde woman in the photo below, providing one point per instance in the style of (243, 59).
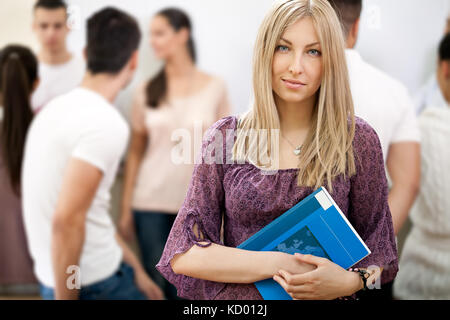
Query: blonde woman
(301, 92)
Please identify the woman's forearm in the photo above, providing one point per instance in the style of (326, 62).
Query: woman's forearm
(231, 265)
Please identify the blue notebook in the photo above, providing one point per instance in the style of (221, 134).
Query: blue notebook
(314, 226)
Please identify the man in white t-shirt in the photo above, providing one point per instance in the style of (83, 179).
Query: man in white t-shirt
(72, 154)
(386, 105)
(59, 70)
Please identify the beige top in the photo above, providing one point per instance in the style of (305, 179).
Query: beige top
(175, 132)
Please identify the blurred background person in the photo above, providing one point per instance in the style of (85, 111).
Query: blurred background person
(180, 96)
(18, 79)
(72, 153)
(386, 105)
(425, 261)
(430, 94)
(59, 70)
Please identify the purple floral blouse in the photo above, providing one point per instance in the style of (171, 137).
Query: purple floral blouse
(249, 200)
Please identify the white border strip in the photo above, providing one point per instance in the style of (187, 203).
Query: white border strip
(323, 200)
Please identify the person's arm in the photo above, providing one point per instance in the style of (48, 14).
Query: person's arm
(136, 151)
(369, 210)
(403, 164)
(231, 265)
(143, 281)
(79, 187)
(403, 160)
(327, 281)
(135, 154)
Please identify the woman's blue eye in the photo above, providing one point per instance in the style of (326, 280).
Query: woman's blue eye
(314, 52)
(282, 48)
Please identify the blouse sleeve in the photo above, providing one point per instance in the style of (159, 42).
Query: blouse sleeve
(369, 209)
(199, 220)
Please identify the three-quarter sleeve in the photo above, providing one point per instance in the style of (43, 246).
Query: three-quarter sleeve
(199, 220)
(368, 207)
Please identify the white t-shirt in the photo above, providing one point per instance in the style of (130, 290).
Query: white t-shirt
(84, 125)
(383, 102)
(55, 80)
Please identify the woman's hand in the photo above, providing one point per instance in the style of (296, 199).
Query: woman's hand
(291, 264)
(327, 281)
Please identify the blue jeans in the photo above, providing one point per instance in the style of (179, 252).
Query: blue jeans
(120, 286)
(152, 231)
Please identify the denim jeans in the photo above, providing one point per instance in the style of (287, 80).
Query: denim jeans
(120, 286)
(152, 231)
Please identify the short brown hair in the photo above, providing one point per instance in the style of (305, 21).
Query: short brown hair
(112, 37)
(348, 12)
(50, 4)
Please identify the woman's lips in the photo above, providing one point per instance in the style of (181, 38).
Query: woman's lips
(293, 84)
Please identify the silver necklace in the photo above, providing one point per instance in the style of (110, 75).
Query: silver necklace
(297, 149)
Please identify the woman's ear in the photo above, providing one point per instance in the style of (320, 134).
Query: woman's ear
(184, 34)
(352, 37)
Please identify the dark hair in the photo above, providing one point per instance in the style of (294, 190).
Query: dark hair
(444, 48)
(50, 4)
(348, 12)
(157, 86)
(112, 37)
(18, 73)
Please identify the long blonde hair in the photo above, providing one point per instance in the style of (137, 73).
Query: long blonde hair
(327, 151)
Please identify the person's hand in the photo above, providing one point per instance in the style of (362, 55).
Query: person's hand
(148, 287)
(327, 281)
(293, 265)
(126, 227)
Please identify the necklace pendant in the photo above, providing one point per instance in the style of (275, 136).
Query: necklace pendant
(297, 151)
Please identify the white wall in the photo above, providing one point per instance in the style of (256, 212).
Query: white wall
(401, 37)
(398, 36)
(15, 23)
(224, 32)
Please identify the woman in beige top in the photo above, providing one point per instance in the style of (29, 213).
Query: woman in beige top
(169, 115)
